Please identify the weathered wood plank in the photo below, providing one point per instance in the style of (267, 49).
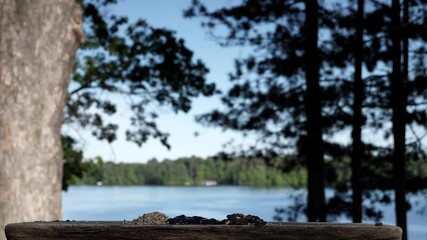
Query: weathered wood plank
(121, 230)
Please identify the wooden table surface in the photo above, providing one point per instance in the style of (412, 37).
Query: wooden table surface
(126, 230)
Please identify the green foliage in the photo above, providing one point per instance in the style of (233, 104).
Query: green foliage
(243, 171)
(192, 171)
(147, 65)
(73, 168)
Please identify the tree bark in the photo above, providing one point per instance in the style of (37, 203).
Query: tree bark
(316, 210)
(398, 101)
(357, 150)
(38, 42)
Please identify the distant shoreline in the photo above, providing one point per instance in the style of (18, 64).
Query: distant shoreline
(189, 186)
(192, 172)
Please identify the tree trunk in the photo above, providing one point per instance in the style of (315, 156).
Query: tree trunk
(38, 41)
(398, 101)
(357, 153)
(316, 189)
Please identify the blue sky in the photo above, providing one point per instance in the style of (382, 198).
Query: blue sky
(220, 61)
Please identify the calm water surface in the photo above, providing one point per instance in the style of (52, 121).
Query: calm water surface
(126, 203)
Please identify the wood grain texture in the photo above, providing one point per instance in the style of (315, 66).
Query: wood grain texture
(121, 230)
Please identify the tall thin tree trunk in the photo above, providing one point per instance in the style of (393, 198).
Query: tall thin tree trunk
(398, 101)
(316, 188)
(38, 42)
(357, 153)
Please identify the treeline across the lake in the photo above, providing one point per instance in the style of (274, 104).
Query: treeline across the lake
(277, 172)
(191, 171)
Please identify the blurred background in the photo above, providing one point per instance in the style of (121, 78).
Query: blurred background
(289, 110)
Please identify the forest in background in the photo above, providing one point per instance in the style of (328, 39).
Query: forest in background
(279, 172)
(189, 172)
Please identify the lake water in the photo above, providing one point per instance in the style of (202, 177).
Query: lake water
(126, 203)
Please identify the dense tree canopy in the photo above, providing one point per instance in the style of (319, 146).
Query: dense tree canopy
(191, 171)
